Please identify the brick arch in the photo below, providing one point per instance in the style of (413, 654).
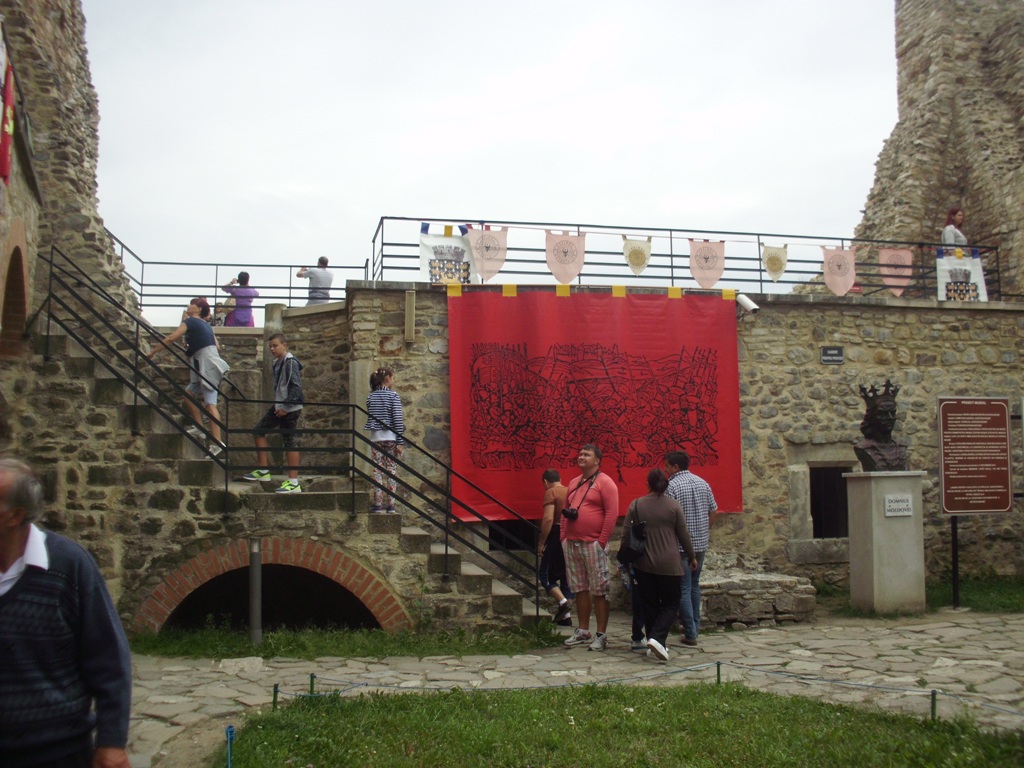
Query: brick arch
(375, 593)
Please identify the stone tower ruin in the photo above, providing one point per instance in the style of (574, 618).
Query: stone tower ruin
(960, 136)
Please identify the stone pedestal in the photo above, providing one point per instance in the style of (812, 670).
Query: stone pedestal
(886, 541)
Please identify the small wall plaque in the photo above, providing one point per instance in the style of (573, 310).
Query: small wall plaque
(832, 356)
(899, 506)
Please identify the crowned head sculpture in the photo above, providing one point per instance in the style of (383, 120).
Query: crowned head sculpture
(878, 451)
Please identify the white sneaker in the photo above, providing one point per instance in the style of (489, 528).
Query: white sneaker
(195, 431)
(657, 650)
(600, 643)
(215, 449)
(579, 637)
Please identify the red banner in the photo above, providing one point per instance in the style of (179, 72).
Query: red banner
(534, 377)
(7, 126)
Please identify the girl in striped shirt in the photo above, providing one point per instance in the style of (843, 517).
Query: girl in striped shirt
(385, 426)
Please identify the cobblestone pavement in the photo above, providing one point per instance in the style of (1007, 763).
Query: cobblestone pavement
(975, 661)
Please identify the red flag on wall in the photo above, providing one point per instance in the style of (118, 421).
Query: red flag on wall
(7, 134)
(536, 376)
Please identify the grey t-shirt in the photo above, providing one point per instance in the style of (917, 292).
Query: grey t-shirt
(319, 281)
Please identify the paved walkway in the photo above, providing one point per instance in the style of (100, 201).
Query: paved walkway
(975, 661)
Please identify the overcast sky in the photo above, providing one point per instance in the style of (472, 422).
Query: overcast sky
(270, 132)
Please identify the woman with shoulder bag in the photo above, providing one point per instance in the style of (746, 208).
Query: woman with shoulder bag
(659, 569)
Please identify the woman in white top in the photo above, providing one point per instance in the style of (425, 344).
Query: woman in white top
(951, 234)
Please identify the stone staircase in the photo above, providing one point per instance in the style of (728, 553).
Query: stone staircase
(144, 497)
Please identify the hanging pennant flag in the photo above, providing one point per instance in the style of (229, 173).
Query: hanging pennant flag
(960, 275)
(7, 127)
(637, 253)
(488, 248)
(565, 255)
(839, 269)
(445, 257)
(896, 266)
(774, 260)
(707, 261)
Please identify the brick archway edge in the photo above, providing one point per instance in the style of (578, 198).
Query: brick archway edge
(375, 593)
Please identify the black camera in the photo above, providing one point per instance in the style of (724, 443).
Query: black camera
(571, 513)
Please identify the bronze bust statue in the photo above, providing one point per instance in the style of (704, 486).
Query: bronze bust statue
(878, 451)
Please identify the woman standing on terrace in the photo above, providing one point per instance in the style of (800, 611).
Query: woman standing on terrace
(951, 234)
(241, 315)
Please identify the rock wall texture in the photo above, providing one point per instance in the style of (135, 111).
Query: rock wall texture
(960, 136)
(47, 39)
(796, 413)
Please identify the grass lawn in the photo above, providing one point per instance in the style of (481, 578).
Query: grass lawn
(991, 595)
(988, 595)
(216, 643)
(696, 725)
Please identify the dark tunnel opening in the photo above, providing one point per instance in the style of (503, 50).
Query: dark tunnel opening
(293, 597)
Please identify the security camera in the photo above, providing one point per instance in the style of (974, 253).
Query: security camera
(744, 301)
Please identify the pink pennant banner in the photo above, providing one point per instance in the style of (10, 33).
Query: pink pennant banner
(839, 269)
(489, 248)
(707, 261)
(565, 255)
(896, 266)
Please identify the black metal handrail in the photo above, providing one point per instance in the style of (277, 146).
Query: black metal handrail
(395, 255)
(155, 288)
(79, 306)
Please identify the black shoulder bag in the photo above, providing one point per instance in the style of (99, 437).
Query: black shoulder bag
(634, 544)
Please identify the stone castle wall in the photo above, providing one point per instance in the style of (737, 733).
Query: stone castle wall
(795, 411)
(960, 136)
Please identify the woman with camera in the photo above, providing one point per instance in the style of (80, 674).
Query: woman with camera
(659, 569)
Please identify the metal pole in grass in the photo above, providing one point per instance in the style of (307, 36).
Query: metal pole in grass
(935, 696)
(718, 671)
(273, 706)
(312, 682)
(230, 733)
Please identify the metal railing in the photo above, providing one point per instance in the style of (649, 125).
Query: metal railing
(395, 256)
(113, 336)
(160, 286)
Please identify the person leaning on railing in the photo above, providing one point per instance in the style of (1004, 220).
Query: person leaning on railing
(241, 315)
(320, 280)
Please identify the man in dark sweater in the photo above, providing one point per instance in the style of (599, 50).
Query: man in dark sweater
(62, 647)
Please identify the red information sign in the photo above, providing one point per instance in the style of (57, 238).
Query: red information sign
(974, 440)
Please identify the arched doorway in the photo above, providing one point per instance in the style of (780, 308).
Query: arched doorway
(293, 597)
(305, 559)
(15, 306)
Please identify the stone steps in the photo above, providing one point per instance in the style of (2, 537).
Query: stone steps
(151, 466)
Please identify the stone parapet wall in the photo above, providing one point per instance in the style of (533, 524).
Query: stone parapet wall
(795, 411)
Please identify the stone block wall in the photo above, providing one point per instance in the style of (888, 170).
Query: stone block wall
(795, 411)
(958, 141)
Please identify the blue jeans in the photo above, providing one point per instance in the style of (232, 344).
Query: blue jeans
(689, 601)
